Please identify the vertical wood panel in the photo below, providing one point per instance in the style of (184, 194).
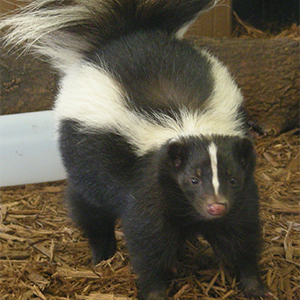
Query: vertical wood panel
(214, 23)
(7, 6)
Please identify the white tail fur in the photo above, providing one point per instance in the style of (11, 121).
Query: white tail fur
(64, 30)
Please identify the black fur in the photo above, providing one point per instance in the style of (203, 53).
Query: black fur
(122, 18)
(107, 181)
(154, 80)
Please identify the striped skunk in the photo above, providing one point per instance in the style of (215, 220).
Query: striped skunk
(151, 130)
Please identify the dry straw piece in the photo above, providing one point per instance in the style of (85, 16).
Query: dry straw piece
(43, 256)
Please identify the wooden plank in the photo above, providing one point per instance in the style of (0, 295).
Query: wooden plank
(216, 22)
(7, 6)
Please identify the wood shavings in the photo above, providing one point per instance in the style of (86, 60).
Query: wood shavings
(102, 297)
(244, 30)
(44, 256)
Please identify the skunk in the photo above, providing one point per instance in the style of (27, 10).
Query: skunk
(151, 130)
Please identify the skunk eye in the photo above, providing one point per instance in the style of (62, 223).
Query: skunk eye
(195, 180)
(232, 180)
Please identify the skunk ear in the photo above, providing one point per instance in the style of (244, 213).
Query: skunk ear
(245, 152)
(176, 153)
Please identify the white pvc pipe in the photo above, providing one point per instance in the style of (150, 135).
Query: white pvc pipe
(28, 149)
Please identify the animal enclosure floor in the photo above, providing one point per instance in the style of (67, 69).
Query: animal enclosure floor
(44, 256)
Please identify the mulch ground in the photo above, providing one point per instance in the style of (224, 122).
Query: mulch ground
(44, 256)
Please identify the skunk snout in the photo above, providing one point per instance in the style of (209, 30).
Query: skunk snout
(217, 206)
(217, 209)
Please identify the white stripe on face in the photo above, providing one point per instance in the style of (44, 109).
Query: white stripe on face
(212, 150)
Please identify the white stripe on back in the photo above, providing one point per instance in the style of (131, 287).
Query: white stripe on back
(212, 150)
(99, 102)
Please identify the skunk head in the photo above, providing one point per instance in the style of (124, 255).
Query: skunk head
(211, 172)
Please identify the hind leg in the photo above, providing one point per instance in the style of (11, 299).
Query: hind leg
(97, 224)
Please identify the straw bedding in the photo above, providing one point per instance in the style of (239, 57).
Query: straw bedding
(44, 256)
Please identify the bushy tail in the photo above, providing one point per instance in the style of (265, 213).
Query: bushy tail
(64, 29)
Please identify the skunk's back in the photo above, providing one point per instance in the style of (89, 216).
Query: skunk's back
(126, 70)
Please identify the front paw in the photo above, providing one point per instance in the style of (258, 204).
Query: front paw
(256, 290)
(155, 291)
(103, 252)
(157, 295)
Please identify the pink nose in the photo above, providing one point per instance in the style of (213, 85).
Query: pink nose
(216, 209)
